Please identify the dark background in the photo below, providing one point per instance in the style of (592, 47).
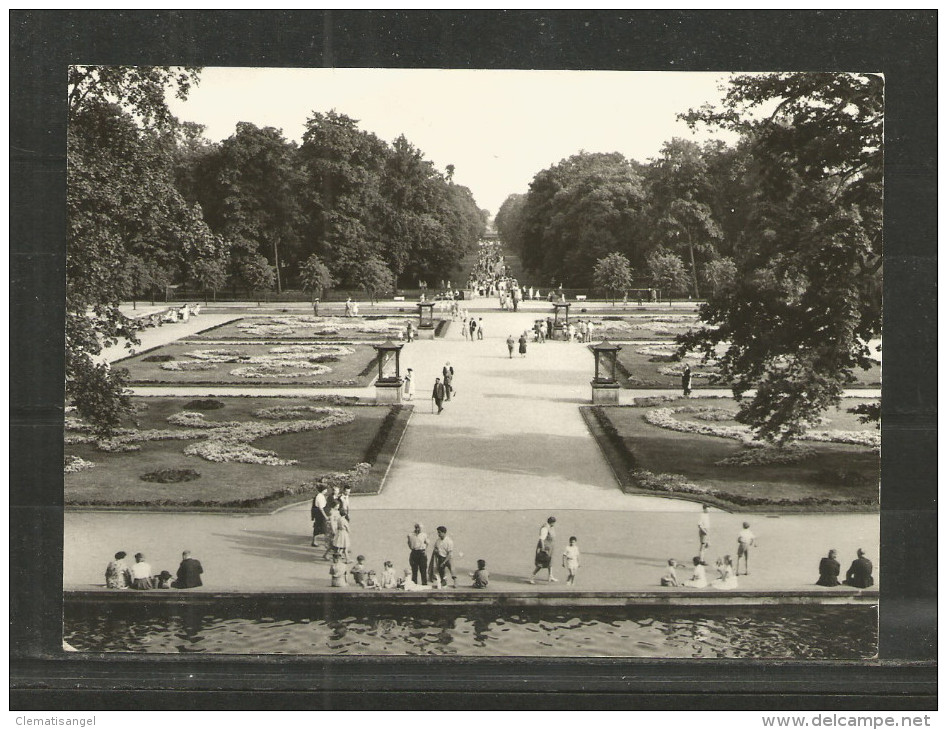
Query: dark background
(901, 44)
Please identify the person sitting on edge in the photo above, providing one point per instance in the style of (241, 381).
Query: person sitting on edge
(670, 579)
(726, 579)
(164, 579)
(371, 580)
(338, 572)
(116, 572)
(359, 571)
(388, 579)
(699, 578)
(481, 577)
(859, 572)
(829, 570)
(406, 584)
(141, 574)
(189, 572)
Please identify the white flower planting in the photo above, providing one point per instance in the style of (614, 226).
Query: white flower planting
(277, 413)
(231, 451)
(192, 419)
(665, 418)
(188, 365)
(307, 324)
(337, 350)
(281, 369)
(73, 464)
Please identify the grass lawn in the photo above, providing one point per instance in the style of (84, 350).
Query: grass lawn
(355, 369)
(644, 370)
(834, 472)
(115, 480)
(376, 327)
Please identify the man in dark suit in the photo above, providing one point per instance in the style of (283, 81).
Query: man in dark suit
(859, 573)
(189, 572)
(438, 394)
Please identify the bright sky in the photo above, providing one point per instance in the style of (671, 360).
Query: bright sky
(498, 128)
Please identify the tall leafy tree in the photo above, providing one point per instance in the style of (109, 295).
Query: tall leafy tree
(123, 213)
(315, 278)
(668, 272)
(807, 293)
(374, 277)
(579, 210)
(613, 273)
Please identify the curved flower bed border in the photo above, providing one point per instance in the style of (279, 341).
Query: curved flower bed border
(221, 441)
(664, 418)
(631, 477)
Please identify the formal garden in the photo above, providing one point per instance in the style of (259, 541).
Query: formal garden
(234, 453)
(694, 449)
(196, 362)
(308, 327)
(655, 364)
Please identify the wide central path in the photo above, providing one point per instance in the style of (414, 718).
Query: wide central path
(512, 437)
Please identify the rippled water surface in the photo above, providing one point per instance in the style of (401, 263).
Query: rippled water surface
(817, 632)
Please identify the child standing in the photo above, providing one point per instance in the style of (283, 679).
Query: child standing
(570, 560)
(340, 540)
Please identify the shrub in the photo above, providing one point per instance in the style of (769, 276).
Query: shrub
(158, 358)
(171, 476)
(72, 464)
(203, 404)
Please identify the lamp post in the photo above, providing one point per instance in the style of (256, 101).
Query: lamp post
(388, 385)
(561, 319)
(605, 383)
(425, 320)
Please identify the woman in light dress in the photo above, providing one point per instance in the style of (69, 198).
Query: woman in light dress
(727, 579)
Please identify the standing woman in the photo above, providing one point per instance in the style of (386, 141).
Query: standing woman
(318, 514)
(523, 339)
(448, 373)
(544, 550)
(473, 328)
(463, 327)
(409, 384)
(686, 381)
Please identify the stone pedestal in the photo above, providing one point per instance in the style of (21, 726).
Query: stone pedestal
(425, 333)
(605, 394)
(389, 391)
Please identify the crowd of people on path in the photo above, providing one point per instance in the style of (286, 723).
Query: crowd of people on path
(140, 576)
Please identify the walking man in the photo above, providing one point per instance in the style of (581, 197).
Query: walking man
(442, 558)
(686, 381)
(510, 344)
(438, 395)
(417, 558)
(480, 328)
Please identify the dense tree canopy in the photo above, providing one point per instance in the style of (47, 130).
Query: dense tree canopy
(806, 296)
(127, 224)
(781, 232)
(152, 203)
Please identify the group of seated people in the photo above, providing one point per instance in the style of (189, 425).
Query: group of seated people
(858, 575)
(362, 577)
(726, 577)
(140, 577)
(174, 314)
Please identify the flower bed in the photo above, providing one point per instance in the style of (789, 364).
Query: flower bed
(248, 462)
(73, 464)
(314, 364)
(654, 450)
(171, 476)
(303, 326)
